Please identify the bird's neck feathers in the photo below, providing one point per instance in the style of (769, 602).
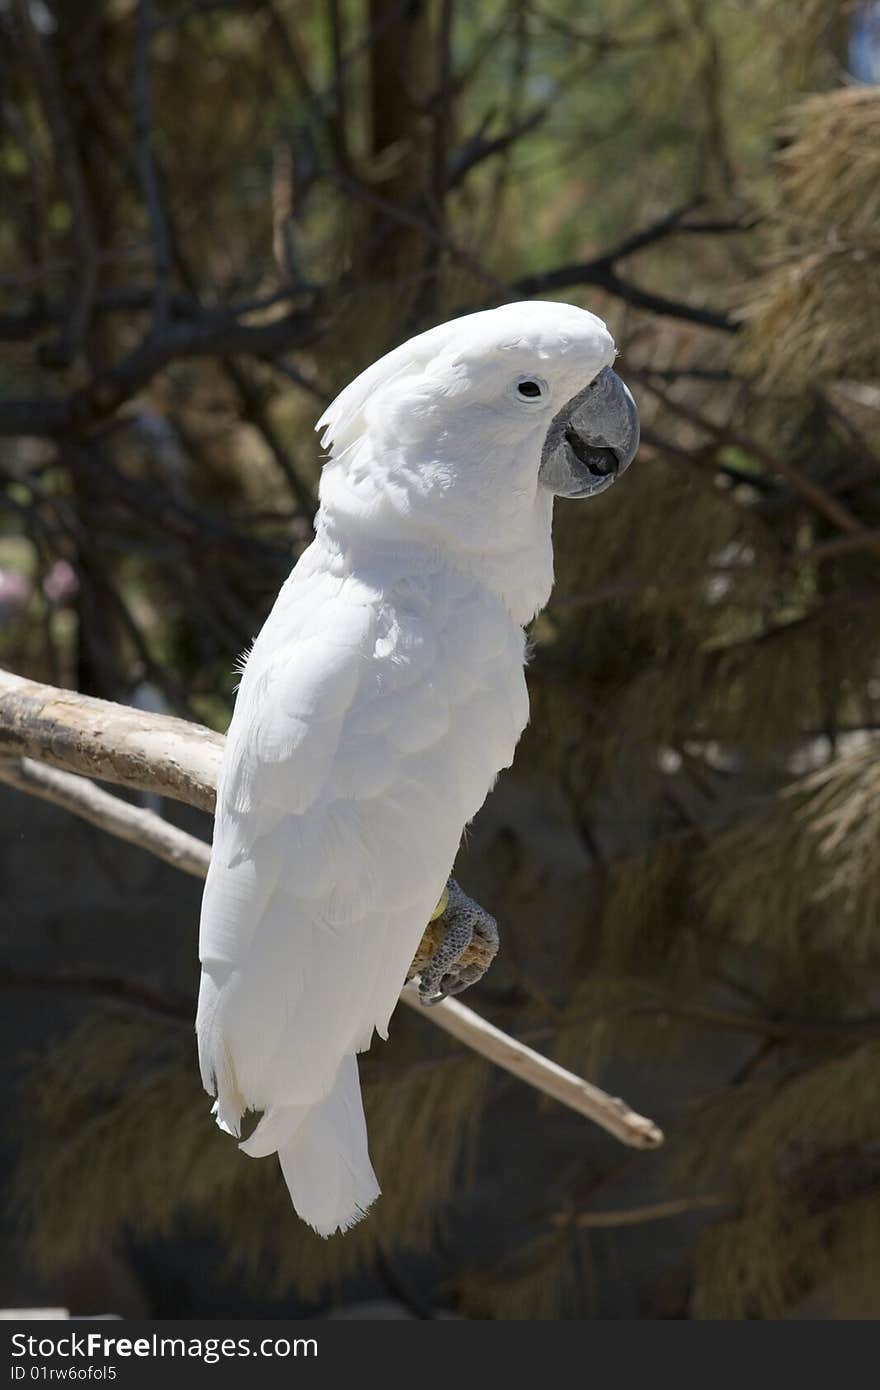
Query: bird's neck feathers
(382, 511)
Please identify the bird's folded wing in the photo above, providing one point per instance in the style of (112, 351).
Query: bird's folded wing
(300, 682)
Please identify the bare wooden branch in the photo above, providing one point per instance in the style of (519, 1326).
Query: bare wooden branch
(155, 752)
(610, 1112)
(114, 743)
(120, 818)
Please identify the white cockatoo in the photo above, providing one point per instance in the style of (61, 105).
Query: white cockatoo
(376, 708)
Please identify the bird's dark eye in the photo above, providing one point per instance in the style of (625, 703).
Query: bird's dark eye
(530, 389)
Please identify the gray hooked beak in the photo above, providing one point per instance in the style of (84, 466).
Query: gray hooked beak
(592, 440)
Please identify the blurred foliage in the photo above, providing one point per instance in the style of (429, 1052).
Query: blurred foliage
(137, 1151)
(212, 215)
(812, 317)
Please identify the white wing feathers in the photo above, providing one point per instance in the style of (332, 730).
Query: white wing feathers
(366, 733)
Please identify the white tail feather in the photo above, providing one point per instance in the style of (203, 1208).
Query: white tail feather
(323, 1153)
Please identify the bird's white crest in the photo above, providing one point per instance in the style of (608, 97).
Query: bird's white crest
(377, 706)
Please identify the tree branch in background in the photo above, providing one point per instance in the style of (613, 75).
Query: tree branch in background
(203, 332)
(152, 752)
(212, 334)
(85, 277)
(604, 276)
(700, 577)
(602, 272)
(637, 1216)
(813, 493)
(146, 164)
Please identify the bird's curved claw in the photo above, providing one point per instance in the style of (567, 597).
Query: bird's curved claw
(463, 919)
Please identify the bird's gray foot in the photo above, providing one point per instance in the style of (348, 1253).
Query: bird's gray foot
(464, 922)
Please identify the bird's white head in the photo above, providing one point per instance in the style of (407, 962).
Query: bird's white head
(462, 436)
